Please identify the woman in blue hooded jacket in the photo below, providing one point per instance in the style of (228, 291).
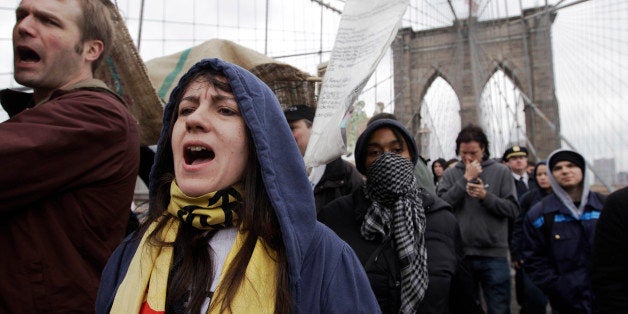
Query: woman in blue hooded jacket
(232, 223)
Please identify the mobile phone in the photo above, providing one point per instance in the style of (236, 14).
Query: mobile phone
(475, 181)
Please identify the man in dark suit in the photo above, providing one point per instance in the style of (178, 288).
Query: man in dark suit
(516, 158)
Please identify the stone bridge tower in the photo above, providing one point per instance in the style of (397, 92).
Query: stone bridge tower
(467, 54)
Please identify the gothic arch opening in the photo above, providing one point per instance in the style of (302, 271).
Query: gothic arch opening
(440, 120)
(501, 113)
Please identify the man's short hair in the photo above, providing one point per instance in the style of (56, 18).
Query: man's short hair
(96, 23)
(471, 133)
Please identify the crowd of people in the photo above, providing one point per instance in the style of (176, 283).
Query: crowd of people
(237, 223)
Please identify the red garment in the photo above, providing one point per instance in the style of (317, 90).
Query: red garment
(146, 309)
(68, 172)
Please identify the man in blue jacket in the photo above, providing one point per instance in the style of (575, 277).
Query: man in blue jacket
(559, 233)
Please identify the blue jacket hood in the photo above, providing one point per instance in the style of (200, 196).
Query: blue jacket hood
(281, 163)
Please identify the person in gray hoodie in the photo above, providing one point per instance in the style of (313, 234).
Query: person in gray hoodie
(482, 194)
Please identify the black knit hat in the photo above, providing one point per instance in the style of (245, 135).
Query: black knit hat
(299, 112)
(566, 155)
(362, 142)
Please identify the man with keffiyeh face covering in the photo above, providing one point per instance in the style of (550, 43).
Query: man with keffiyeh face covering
(385, 222)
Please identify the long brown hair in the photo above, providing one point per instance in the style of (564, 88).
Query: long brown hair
(191, 274)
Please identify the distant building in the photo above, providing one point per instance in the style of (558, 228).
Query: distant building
(605, 169)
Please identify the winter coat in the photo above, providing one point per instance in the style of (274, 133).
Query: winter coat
(424, 176)
(69, 167)
(558, 246)
(563, 274)
(609, 275)
(526, 201)
(340, 178)
(442, 236)
(325, 275)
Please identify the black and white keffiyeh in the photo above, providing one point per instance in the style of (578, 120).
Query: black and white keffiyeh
(396, 211)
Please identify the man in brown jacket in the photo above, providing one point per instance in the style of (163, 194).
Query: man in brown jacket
(69, 156)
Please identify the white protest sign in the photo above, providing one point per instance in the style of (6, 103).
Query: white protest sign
(366, 30)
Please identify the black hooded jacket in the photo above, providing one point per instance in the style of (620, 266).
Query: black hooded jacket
(340, 178)
(444, 253)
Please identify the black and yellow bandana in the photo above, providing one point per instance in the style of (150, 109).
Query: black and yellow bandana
(211, 211)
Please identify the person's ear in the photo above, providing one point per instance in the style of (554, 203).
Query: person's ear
(92, 49)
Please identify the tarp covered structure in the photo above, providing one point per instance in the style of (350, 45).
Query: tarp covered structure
(291, 85)
(146, 86)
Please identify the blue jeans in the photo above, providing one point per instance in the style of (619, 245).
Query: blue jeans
(493, 274)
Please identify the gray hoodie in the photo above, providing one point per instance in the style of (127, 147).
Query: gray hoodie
(483, 223)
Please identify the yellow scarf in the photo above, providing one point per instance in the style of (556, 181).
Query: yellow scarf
(214, 210)
(144, 286)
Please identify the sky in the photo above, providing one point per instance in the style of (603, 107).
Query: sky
(589, 46)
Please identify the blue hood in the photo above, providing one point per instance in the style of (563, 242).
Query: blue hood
(281, 163)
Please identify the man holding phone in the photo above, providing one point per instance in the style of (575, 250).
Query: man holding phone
(483, 196)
